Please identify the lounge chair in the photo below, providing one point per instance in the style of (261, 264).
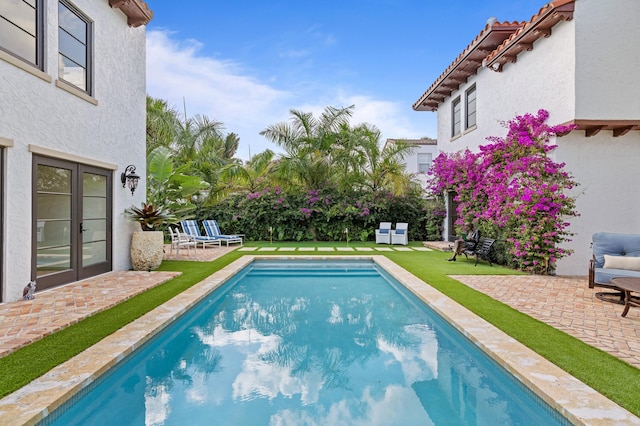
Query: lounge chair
(383, 233)
(179, 240)
(190, 228)
(400, 235)
(213, 230)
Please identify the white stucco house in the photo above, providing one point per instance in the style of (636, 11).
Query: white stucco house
(579, 60)
(72, 118)
(418, 162)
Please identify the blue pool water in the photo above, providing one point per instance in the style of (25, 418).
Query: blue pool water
(308, 343)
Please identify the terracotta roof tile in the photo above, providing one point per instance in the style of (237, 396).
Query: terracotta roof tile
(497, 44)
(523, 38)
(466, 64)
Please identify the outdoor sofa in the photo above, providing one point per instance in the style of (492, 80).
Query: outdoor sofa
(614, 255)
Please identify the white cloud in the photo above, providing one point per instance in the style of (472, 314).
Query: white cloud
(224, 91)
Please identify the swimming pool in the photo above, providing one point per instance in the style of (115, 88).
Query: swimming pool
(308, 342)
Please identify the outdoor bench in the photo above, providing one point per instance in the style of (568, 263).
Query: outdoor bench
(481, 250)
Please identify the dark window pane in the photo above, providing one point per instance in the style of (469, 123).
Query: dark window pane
(71, 72)
(72, 23)
(53, 206)
(54, 179)
(53, 259)
(456, 117)
(471, 107)
(94, 185)
(94, 230)
(17, 41)
(94, 252)
(72, 48)
(20, 14)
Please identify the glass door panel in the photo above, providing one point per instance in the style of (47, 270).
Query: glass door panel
(53, 218)
(95, 212)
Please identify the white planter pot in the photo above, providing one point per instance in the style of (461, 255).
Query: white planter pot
(147, 250)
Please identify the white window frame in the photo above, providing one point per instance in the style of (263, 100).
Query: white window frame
(424, 163)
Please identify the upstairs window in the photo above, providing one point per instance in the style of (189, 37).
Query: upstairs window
(424, 162)
(21, 29)
(456, 116)
(74, 51)
(470, 96)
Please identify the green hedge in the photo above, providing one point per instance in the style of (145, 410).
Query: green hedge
(323, 215)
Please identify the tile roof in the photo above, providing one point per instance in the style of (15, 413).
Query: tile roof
(423, 141)
(523, 38)
(497, 44)
(466, 64)
(137, 11)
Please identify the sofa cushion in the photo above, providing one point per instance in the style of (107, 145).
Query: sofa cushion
(614, 245)
(604, 275)
(631, 263)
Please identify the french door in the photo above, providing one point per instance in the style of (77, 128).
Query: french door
(72, 218)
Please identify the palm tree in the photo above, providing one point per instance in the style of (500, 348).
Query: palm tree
(253, 176)
(162, 122)
(382, 168)
(308, 144)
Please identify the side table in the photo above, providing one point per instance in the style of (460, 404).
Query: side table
(627, 285)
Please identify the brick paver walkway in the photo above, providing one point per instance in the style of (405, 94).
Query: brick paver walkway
(26, 321)
(568, 304)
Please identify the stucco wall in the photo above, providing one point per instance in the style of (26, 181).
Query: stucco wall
(607, 59)
(36, 112)
(411, 162)
(540, 78)
(607, 198)
(587, 69)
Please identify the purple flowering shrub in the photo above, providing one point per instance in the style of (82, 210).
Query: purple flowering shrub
(321, 214)
(512, 186)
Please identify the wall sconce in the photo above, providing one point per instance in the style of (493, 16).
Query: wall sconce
(130, 178)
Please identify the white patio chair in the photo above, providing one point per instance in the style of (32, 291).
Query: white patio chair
(400, 235)
(383, 233)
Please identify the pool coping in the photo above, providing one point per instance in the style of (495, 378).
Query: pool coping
(578, 402)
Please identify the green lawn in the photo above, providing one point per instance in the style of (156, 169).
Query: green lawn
(607, 374)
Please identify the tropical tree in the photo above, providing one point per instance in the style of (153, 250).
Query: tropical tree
(308, 143)
(169, 187)
(197, 144)
(376, 168)
(253, 176)
(162, 122)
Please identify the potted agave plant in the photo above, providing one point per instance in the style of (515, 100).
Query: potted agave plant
(147, 246)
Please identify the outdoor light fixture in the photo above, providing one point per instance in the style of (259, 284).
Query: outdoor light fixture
(130, 178)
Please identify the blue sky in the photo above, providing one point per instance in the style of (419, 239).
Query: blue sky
(247, 63)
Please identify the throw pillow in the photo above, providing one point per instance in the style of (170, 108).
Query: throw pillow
(630, 263)
(384, 231)
(400, 231)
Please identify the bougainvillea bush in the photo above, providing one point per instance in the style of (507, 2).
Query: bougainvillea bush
(324, 214)
(513, 189)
